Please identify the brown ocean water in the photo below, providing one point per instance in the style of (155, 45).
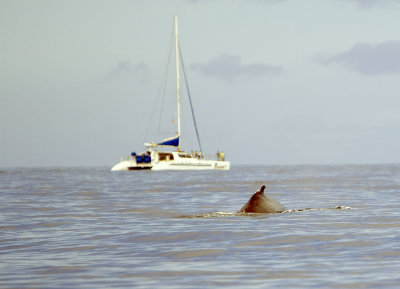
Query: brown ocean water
(92, 228)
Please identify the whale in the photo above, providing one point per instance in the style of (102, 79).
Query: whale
(262, 204)
(259, 203)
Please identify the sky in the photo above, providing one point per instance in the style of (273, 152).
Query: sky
(273, 82)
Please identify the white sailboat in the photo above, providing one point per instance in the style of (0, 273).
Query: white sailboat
(155, 159)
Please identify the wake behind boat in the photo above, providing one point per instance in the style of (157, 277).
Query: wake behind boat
(173, 159)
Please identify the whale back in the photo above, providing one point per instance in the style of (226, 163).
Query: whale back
(260, 203)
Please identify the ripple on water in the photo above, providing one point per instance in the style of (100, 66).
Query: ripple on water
(89, 228)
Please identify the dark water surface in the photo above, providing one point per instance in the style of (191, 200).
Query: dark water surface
(92, 228)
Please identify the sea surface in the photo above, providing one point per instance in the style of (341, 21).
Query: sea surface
(93, 228)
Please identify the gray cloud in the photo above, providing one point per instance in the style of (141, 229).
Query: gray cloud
(230, 67)
(265, 1)
(372, 3)
(125, 67)
(369, 59)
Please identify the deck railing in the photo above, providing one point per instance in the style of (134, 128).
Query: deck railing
(203, 157)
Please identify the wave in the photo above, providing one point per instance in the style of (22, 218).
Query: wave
(236, 214)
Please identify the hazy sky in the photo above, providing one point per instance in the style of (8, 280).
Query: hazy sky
(272, 81)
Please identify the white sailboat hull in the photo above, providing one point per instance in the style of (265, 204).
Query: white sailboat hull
(193, 165)
(174, 162)
(212, 165)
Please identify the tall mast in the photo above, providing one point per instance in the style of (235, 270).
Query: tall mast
(178, 85)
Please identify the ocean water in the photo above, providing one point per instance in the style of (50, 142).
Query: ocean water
(92, 228)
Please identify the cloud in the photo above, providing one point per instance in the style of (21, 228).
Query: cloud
(371, 3)
(230, 67)
(368, 59)
(124, 68)
(265, 1)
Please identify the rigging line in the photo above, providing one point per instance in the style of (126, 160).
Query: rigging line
(162, 87)
(190, 99)
(171, 49)
(165, 83)
(154, 109)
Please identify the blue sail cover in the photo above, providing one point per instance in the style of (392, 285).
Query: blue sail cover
(173, 141)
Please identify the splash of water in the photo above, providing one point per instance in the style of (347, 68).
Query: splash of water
(235, 214)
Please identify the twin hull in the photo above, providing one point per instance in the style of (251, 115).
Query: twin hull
(158, 161)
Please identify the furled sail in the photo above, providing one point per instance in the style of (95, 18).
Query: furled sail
(172, 141)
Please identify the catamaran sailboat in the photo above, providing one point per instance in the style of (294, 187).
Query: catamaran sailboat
(155, 159)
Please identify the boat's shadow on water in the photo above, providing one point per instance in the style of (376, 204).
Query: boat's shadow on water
(241, 214)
